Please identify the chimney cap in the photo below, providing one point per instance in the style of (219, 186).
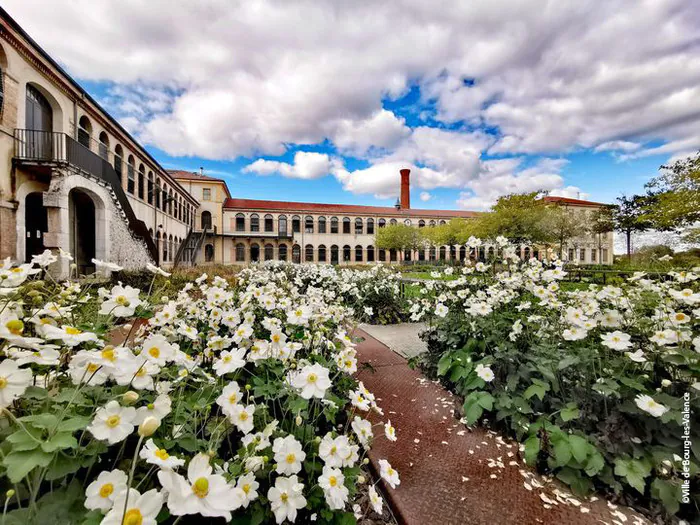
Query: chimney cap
(405, 171)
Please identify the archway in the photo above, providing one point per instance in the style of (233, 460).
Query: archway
(39, 124)
(81, 215)
(254, 252)
(35, 225)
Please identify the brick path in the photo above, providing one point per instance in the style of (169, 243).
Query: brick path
(451, 475)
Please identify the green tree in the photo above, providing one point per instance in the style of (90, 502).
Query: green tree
(519, 217)
(399, 237)
(562, 224)
(630, 215)
(600, 223)
(454, 232)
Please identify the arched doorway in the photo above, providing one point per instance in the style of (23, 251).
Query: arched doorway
(82, 230)
(206, 220)
(39, 124)
(254, 252)
(209, 253)
(35, 224)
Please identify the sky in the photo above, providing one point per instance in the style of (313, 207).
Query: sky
(326, 101)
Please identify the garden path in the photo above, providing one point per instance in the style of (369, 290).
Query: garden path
(451, 474)
(402, 338)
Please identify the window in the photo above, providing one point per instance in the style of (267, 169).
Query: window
(296, 225)
(346, 225)
(170, 202)
(104, 146)
(165, 248)
(358, 253)
(209, 253)
(254, 252)
(370, 253)
(206, 220)
(283, 252)
(309, 224)
(346, 252)
(240, 252)
(334, 224)
(269, 223)
(393, 222)
(432, 254)
(84, 131)
(322, 253)
(381, 223)
(442, 222)
(240, 222)
(604, 256)
(296, 254)
(407, 222)
(269, 252)
(432, 223)
(382, 255)
(309, 253)
(358, 226)
(593, 255)
(118, 154)
(254, 223)
(571, 254)
(142, 176)
(157, 193)
(131, 180)
(150, 187)
(206, 194)
(443, 253)
(370, 226)
(462, 253)
(282, 227)
(421, 223)
(582, 255)
(321, 225)
(392, 255)
(164, 198)
(407, 255)
(334, 253)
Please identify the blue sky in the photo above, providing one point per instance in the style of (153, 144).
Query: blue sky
(326, 101)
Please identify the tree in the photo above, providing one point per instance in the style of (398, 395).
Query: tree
(630, 215)
(676, 196)
(562, 224)
(600, 223)
(399, 237)
(518, 217)
(454, 232)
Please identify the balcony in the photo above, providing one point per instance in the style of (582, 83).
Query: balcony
(43, 150)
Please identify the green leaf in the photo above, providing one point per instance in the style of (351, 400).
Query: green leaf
(567, 362)
(634, 471)
(59, 441)
(472, 409)
(61, 466)
(532, 448)
(562, 450)
(35, 392)
(44, 420)
(572, 477)
(485, 400)
(22, 440)
(669, 493)
(73, 424)
(627, 381)
(595, 463)
(534, 390)
(19, 464)
(444, 364)
(570, 412)
(579, 448)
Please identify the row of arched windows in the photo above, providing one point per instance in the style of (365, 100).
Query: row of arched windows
(168, 245)
(359, 226)
(139, 182)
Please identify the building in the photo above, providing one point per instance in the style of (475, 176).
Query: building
(71, 177)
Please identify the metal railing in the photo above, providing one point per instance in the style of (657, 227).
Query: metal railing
(182, 252)
(58, 148)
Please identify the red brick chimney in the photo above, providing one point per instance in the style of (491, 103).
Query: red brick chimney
(405, 189)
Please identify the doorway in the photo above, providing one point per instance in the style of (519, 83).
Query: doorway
(35, 224)
(82, 230)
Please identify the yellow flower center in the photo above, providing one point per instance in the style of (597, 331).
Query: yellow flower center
(108, 353)
(334, 449)
(312, 378)
(201, 487)
(162, 454)
(232, 399)
(106, 490)
(284, 497)
(680, 316)
(133, 517)
(246, 488)
(291, 458)
(122, 300)
(332, 481)
(16, 270)
(72, 331)
(227, 359)
(276, 338)
(15, 326)
(243, 416)
(3, 382)
(113, 421)
(141, 372)
(92, 367)
(154, 352)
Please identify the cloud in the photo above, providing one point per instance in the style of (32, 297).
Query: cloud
(307, 165)
(425, 196)
(617, 145)
(381, 131)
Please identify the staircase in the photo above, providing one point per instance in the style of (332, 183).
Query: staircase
(187, 253)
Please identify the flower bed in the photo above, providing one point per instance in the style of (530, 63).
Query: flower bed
(231, 401)
(601, 383)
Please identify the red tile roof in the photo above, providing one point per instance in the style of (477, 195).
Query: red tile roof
(188, 175)
(573, 202)
(350, 209)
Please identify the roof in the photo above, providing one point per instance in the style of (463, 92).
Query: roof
(573, 202)
(351, 209)
(181, 175)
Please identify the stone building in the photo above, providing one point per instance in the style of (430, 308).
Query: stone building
(71, 176)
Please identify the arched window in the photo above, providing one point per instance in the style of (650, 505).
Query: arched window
(254, 223)
(321, 225)
(118, 167)
(269, 223)
(381, 256)
(206, 220)
(240, 222)
(209, 253)
(347, 253)
(381, 223)
(296, 224)
(130, 175)
(170, 202)
(282, 227)
(308, 224)
(527, 254)
(421, 223)
(432, 223)
(283, 252)
(407, 222)
(165, 248)
(334, 224)
(482, 253)
(322, 253)
(358, 226)
(433, 254)
(358, 253)
(443, 253)
(142, 177)
(453, 252)
(407, 255)
(104, 146)
(269, 252)
(254, 252)
(296, 254)
(164, 198)
(309, 253)
(149, 189)
(392, 255)
(443, 222)
(346, 225)
(240, 252)
(171, 251)
(334, 253)
(157, 193)
(370, 253)
(492, 253)
(84, 131)
(370, 226)
(158, 241)
(462, 253)
(393, 222)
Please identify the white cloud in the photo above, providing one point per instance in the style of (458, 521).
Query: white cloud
(617, 145)
(425, 196)
(381, 131)
(307, 165)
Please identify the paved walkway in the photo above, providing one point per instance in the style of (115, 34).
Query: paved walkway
(453, 475)
(402, 338)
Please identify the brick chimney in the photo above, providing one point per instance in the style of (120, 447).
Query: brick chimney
(405, 189)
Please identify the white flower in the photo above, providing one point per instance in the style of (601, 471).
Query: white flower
(288, 455)
(312, 381)
(242, 417)
(113, 423)
(44, 259)
(70, 335)
(161, 407)
(158, 350)
(333, 451)
(299, 316)
(286, 498)
(388, 474)
(485, 373)
(247, 489)
(696, 343)
(637, 357)
(647, 404)
(140, 510)
(107, 266)
(159, 456)
(441, 310)
(229, 361)
(100, 494)
(574, 333)
(389, 431)
(202, 492)
(375, 500)
(616, 340)
(122, 301)
(332, 482)
(664, 337)
(13, 381)
(66, 256)
(363, 430)
(230, 396)
(156, 270)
